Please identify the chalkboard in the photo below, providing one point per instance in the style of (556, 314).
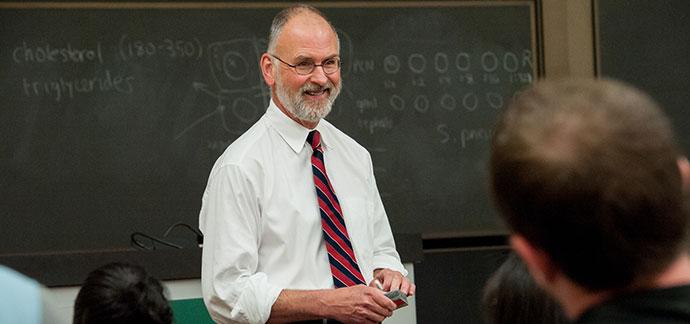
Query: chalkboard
(113, 114)
(647, 44)
(451, 283)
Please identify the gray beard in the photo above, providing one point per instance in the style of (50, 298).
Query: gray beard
(300, 108)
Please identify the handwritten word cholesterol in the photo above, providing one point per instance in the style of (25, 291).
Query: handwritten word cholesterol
(46, 53)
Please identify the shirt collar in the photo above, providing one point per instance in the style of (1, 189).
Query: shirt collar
(293, 133)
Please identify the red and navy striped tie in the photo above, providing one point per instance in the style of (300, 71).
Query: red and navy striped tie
(340, 254)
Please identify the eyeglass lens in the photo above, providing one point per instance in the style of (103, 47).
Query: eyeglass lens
(329, 66)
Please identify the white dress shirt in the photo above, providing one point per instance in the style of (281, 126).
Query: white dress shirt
(261, 222)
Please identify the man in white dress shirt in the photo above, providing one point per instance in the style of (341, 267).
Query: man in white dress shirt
(264, 256)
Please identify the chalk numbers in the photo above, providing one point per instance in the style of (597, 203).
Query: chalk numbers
(164, 48)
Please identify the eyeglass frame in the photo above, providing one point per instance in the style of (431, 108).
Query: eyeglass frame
(314, 65)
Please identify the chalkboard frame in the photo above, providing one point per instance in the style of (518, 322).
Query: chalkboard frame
(64, 268)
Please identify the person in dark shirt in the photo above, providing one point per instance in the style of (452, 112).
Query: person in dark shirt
(589, 178)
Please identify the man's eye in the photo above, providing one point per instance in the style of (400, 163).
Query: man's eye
(330, 62)
(305, 64)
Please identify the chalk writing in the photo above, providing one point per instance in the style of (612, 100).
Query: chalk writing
(365, 104)
(165, 47)
(363, 65)
(469, 101)
(391, 64)
(489, 61)
(421, 103)
(417, 63)
(62, 88)
(465, 138)
(241, 97)
(372, 124)
(47, 53)
(441, 62)
(237, 89)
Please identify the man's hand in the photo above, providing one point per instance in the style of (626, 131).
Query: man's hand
(392, 280)
(359, 304)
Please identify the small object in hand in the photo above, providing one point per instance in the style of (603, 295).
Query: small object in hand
(378, 284)
(398, 297)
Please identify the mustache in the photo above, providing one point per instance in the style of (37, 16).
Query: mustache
(315, 87)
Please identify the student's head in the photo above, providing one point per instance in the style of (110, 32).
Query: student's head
(587, 173)
(301, 38)
(512, 297)
(121, 293)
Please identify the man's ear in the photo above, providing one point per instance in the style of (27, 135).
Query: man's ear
(538, 262)
(684, 167)
(266, 66)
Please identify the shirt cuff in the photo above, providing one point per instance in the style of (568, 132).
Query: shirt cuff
(390, 263)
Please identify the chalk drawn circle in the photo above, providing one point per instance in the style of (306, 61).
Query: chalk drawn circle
(417, 63)
(495, 100)
(391, 64)
(462, 62)
(421, 103)
(511, 63)
(441, 62)
(489, 61)
(397, 102)
(448, 102)
(235, 66)
(470, 101)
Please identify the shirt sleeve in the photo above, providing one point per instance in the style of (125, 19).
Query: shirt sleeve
(233, 290)
(385, 254)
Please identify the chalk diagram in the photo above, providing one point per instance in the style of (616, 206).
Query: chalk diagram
(237, 86)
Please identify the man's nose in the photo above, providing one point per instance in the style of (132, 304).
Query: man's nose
(318, 76)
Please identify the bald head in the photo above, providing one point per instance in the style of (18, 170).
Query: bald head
(313, 15)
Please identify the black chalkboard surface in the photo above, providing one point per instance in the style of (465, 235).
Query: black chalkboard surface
(113, 114)
(647, 43)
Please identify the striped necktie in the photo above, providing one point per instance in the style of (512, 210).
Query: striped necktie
(340, 254)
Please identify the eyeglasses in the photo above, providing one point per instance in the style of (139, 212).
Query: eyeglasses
(329, 66)
(145, 241)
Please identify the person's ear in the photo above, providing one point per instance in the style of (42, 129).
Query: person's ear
(538, 262)
(266, 65)
(684, 167)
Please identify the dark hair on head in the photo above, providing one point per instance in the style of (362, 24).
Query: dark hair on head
(284, 16)
(121, 293)
(512, 297)
(587, 171)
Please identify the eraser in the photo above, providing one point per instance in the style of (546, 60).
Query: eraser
(398, 297)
